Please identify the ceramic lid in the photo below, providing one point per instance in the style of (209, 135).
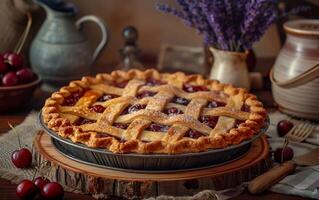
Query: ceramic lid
(303, 27)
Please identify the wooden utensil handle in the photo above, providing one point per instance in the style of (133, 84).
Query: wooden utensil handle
(274, 175)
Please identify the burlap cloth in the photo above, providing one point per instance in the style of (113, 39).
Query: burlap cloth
(28, 130)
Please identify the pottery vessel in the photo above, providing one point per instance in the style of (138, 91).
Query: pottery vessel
(60, 51)
(230, 67)
(295, 82)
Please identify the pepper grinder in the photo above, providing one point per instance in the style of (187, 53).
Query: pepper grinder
(130, 51)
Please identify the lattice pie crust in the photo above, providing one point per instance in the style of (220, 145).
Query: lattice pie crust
(149, 112)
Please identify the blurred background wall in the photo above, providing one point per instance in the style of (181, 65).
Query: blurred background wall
(155, 28)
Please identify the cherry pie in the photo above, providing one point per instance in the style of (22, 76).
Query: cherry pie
(149, 112)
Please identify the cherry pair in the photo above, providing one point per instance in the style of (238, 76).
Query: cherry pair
(27, 189)
(12, 70)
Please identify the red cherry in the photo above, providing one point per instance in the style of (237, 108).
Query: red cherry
(6, 55)
(22, 158)
(286, 154)
(15, 60)
(52, 190)
(26, 190)
(3, 66)
(25, 75)
(40, 182)
(283, 127)
(10, 79)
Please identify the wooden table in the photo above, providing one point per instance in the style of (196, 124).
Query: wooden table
(7, 189)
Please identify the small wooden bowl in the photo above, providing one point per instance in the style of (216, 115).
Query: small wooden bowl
(14, 97)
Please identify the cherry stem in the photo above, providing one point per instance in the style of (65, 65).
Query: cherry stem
(24, 35)
(38, 168)
(15, 132)
(286, 142)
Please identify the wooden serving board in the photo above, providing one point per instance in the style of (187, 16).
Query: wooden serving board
(102, 182)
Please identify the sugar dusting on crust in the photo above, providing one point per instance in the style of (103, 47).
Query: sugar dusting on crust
(54, 120)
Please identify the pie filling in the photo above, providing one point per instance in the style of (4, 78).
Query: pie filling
(157, 128)
(193, 134)
(145, 94)
(133, 108)
(73, 98)
(180, 100)
(82, 121)
(208, 120)
(106, 97)
(194, 88)
(172, 111)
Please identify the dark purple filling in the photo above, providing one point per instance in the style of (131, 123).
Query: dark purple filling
(193, 134)
(238, 122)
(157, 127)
(82, 121)
(173, 111)
(210, 121)
(120, 125)
(215, 104)
(133, 108)
(107, 97)
(180, 100)
(73, 98)
(194, 88)
(97, 108)
(102, 135)
(121, 84)
(245, 108)
(145, 94)
(153, 82)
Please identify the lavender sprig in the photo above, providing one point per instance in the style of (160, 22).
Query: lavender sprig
(232, 25)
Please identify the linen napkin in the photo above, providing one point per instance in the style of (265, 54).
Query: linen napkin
(278, 116)
(305, 181)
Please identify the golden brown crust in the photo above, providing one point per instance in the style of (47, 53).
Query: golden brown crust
(59, 118)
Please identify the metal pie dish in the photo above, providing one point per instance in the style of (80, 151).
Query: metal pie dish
(149, 162)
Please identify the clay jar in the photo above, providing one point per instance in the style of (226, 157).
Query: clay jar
(295, 82)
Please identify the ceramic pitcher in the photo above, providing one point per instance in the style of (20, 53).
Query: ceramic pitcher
(230, 67)
(60, 52)
(295, 75)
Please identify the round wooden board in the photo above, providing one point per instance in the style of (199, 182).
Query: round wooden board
(103, 182)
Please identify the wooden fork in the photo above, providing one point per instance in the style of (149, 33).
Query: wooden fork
(300, 132)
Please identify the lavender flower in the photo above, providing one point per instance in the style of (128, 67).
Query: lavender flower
(232, 25)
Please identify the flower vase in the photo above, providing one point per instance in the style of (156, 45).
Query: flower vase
(230, 67)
